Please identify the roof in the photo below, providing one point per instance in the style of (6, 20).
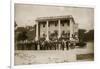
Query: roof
(54, 18)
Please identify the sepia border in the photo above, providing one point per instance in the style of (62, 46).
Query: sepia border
(12, 66)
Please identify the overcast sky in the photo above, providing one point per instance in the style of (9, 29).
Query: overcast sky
(25, 14)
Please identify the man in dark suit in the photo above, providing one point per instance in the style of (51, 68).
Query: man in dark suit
(62, 44)
(67, 43)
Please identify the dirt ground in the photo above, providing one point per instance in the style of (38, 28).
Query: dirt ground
(23, 57)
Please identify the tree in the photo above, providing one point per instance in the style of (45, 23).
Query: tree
(22, 36)
(85, 36)
(89, 36)
(21, 33)
(81, 34)
(30, 34)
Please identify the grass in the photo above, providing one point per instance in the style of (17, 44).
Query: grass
(85, 56)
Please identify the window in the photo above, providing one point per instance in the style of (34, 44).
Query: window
(62, 24)
(43, 25)
(44, 35)
(68, 22)
(55, 24)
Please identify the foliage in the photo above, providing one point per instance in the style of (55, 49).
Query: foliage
(89, 36)
(25, 33)
(85, 36)
(81, 34)
(22, 36)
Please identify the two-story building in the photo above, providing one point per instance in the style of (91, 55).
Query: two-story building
(62, 26)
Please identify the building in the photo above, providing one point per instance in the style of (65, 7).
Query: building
(49, 28)
(62, 26)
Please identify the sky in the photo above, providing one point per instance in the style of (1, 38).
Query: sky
(26, 14)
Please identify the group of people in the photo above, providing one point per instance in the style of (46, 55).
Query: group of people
(46, 45)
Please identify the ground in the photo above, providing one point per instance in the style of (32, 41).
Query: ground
(54, 56)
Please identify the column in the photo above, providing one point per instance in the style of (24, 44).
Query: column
(59, 32)
(71, 29)
(47, 38)
(37, 31)
(37, 35)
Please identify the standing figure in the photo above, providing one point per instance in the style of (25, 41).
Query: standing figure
(62, 44)
(67, 45)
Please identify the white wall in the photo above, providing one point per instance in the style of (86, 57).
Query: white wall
(52, 27)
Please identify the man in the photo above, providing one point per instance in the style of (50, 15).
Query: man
(35, 44)
(43, 45)
(62, 44)
(67, 43)
(56, 45)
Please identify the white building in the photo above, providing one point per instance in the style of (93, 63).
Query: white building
(45, 26)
